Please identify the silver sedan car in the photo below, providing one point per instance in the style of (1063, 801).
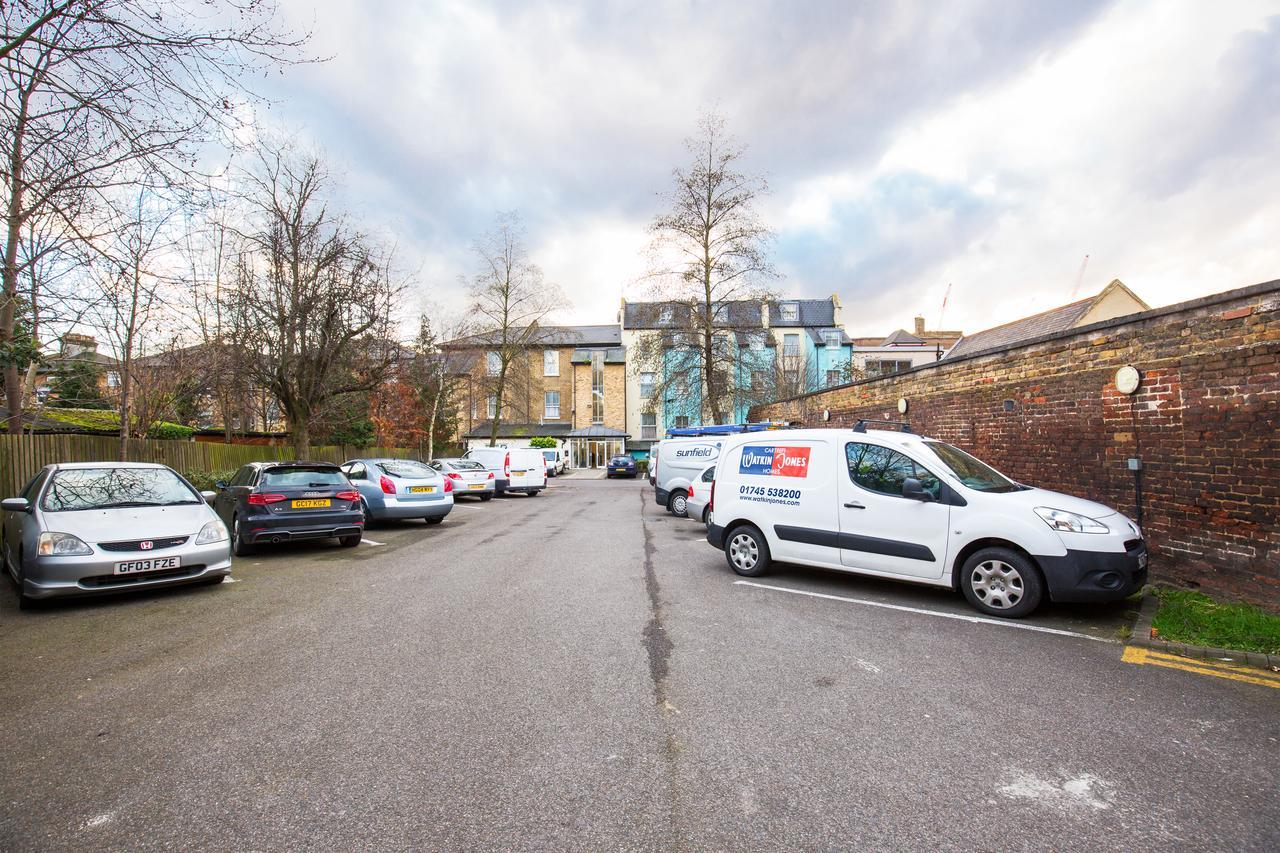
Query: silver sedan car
(469, 477)
(101, 527)
(398, 489)
(698, 502)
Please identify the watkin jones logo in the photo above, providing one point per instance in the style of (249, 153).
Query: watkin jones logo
(775, 461)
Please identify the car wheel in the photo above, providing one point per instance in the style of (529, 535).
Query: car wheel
(368, 516)
(435, 520)
(706, 515)
(746, 551)
(239, 547)
(679, 504)
(1001, 582)
(349, 541)
(486, 498)
(25, 602)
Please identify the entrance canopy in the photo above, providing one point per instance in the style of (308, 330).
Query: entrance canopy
(592, 447)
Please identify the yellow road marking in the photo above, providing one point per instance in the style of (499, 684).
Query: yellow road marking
(1218, 669)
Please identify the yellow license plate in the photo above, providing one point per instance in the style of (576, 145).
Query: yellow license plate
(421, 489)
(476, 486)
(311, 504)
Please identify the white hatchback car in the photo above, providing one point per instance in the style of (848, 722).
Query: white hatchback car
(899, 505)
(698, 503)
(99, 527)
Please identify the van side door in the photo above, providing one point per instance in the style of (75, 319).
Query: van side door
(881, 530)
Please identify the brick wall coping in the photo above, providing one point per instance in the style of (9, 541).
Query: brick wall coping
(1177, 308)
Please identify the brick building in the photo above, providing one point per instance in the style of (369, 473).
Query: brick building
(1205, 423)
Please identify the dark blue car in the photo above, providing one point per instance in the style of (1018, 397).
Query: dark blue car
(621, 466)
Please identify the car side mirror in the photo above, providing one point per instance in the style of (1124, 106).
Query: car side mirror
(209, 497)
(912, 489)
(220, 485)
(15, 505)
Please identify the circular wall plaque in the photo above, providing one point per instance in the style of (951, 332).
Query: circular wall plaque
(1128, 379)
(902, 405)
(826, 414)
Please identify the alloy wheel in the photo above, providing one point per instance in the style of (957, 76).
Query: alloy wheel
(744, 552)
(679, 504)
(996, 584)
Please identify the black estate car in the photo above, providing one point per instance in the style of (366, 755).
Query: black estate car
(284, 501)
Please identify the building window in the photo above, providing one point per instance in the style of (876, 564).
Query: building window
(493, 406)
(832, 338)
(113, 379)
(791, 345)
(550, 363)
(833, 377)
(597, 387)
(647, 381)
(667, 316)
(648, 425)
(494, 363)
(551, 405)
(887, 366)
(682, 421)
(790, 312)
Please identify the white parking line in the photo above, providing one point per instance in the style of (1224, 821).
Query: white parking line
(370, 542)
(1003, 623)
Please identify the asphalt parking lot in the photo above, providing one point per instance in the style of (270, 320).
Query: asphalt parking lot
(581, 670)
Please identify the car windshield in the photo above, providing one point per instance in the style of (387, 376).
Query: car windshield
(301, 477)
(620, 460)
(550, 455)
(112, 488)
(466, 465)
(972, 472)
(406, 468)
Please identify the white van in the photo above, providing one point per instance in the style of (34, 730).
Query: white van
(556, 462)
(674, 463)
(898, 505)
(515, 469)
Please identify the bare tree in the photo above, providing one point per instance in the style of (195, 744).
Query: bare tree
(437, 373)
(709, 267)
(510, 301)
(98, 94)
(313, 298)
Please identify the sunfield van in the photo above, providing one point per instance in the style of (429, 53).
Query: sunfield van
(898, 505)
(677, 462)
(515, 469)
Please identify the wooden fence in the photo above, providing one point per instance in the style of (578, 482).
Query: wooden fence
(21, 456)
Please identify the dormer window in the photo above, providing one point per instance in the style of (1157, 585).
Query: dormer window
(832, 338)
(789, 311)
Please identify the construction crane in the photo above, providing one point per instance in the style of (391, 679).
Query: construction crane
(943, 312)
(1075, 288)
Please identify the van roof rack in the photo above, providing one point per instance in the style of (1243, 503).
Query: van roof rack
(723, 429)
(861, 425)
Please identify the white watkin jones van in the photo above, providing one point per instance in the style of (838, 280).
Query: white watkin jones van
(898, 505)
(674, 463)
(515, 469)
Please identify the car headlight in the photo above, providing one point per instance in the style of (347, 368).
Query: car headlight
(214, 531)
(1060, 519)
(61, 545)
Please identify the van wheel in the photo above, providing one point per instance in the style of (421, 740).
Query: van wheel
(746, 551)
(706, 515)
(1001, 582)
(534, 493)
(679, 504)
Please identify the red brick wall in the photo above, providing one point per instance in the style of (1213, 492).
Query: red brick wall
(1205, 422)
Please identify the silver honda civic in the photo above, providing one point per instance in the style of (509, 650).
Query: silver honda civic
(99, 527)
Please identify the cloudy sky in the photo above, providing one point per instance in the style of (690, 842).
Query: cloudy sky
(984, 144)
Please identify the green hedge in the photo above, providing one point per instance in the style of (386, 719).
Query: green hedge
(206, 481)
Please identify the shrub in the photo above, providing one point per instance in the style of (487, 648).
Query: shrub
(642, 467)
(170, 432)
(206, 481)
(543, 442)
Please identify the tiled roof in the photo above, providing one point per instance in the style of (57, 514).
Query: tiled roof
(902, 337)
(1045, 323)
(553, 336)
(812, 312)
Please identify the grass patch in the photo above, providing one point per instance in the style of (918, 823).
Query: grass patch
(1194, 618)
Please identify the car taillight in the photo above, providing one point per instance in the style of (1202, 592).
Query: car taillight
(490, 475)
(453, 475)
(506, 465)
(448, 483)
(348, 496)
(711, 502)
(388, 487)
(262, 500)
